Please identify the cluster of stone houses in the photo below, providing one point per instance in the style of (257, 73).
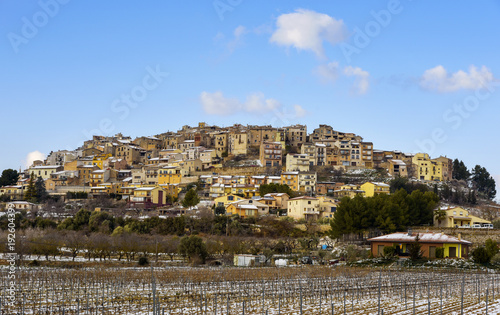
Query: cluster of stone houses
(146, 170)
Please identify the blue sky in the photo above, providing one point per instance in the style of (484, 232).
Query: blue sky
(409, 75)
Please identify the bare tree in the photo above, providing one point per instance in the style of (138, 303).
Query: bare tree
(75, 242)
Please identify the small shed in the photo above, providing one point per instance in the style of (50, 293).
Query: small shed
(244, 260)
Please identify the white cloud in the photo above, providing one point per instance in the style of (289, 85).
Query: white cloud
(328, 72)
(438, 79)
(306, 30)
(232, 42)
(33, 156)
(219, 36)
(362, 78)
(240, 30)
(256, 103)
(299, 111)
(217, 104)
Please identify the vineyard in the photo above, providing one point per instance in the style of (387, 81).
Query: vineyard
(297, 290)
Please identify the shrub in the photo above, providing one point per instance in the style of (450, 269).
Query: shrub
(480, 255)
(495, 260)
(439, 252)
(415, 250)
(34, 263)
(143, 261)
(193, 248)
(389, 252)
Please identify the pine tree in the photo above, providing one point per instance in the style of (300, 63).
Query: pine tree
(40, 191)
(191, 199)
(30, 194)
(484, 182)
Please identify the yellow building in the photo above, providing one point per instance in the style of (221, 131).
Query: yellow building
(247, 208)
(291, 179)
(297, 162)
(226, 199)
(238, 143)
(44, 171)
(307, 182)
(427, 169)
(220, 143)
(281, 199)
(169, 175)
(447, 167)
(149, 196)
(327, 207)
(396, 167)
(104, 189)
(99, 176)
(149, 143)
(218, 190)
(457, 217)
(14, 192)
(248, 191)
(99, 159)
(372, 188)
(367, 154)
(304, 207)
(85, 173)
(453, 247)
(172, 190)
(348, 190)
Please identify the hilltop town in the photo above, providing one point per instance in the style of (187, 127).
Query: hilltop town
(150, 171)
(284, 183)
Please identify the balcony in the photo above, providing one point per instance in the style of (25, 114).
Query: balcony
(311, 211)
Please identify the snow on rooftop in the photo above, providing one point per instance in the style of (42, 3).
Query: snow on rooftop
(398, 162)
(246, 206)
(423, 237)
(381, 184)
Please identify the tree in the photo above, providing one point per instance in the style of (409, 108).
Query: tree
(275, 188)
(439, 252)
(40, 191)
(480, 255)
(9, 177)
(483, 182)
(30, 194)
(101, 221)
(191, 199)
(415, 249)
(75, 242)
(220, 210)
(460, 171)
(193, 248)
(439, 215)
(491, 247)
